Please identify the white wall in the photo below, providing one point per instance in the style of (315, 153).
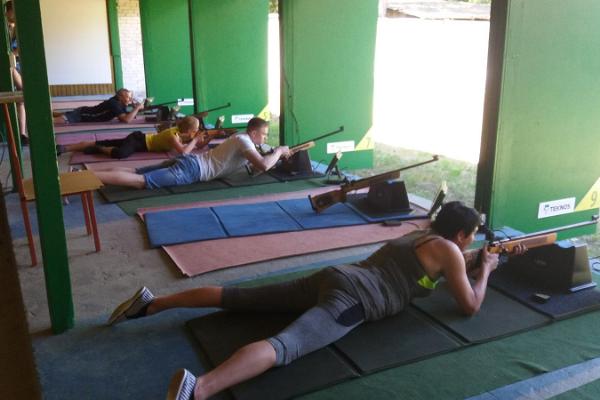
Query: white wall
(132, 55)
(76, 41)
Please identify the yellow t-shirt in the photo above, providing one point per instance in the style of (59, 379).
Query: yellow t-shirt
(161, 141)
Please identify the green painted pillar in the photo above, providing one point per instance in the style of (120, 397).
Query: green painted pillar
(540, 151)
(6, 85)
(115, 43)
(44, 165)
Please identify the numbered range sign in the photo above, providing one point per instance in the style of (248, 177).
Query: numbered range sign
(591, 200)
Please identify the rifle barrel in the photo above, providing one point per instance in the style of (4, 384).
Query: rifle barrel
(216, 108)
(386, 175)
(593, 221)
(340, 129)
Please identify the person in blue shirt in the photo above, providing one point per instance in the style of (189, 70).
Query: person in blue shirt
(115, 107)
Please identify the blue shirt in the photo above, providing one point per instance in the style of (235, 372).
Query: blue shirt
(104, 111)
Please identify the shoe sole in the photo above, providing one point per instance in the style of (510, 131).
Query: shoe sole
(123, 307)
(176, 385)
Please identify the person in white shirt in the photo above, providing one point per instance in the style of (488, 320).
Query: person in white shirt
(225, 159)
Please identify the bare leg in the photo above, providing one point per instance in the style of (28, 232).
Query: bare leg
(209, 296)
(18, 82)
(79, 146)
(248, 362)
(22, 119)
(121, 178)
(60, 119)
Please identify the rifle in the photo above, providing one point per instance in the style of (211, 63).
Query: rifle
(322, 201)
(265, 149)
(530, 240)
(215, 109)
(148, 106)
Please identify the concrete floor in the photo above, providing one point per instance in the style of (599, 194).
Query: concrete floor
(102, 280)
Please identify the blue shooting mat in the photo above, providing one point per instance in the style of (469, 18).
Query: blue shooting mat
(337, 215)
(255, 219)
(182, 226)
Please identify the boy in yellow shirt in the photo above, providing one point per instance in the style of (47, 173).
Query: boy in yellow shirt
(183, 138)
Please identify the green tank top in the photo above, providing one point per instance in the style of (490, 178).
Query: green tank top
(390, 278)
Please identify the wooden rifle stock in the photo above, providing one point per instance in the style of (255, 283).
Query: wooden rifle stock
(530, 240)
(322, 201)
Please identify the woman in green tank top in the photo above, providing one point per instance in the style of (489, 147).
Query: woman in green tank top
(330, 301)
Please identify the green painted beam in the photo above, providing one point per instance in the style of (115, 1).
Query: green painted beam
(327, 76)
(44, 165)
(6, 85)
(115, 43)
(167, 51)
(229, 52)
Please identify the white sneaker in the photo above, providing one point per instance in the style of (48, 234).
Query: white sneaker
(182, 385)
(135, 307)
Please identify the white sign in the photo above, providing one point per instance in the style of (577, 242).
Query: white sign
(185, 102)
(344, 146)
(556, 207)
(241, 118)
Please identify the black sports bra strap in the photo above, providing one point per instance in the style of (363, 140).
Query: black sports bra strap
(426, 241)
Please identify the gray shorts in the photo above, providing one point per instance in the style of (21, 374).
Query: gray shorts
(329, 311)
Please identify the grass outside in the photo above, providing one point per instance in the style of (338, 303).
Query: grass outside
(425, 181)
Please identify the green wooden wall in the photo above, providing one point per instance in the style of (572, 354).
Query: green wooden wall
(115, 43)
(230, 56)
(166, 46)
(541, 137)
(327, 74)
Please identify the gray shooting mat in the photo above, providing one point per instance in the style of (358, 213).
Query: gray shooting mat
(393, 341)
(499, 315)
(221, 333)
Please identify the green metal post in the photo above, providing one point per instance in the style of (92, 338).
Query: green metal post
(115, 43)
(44, 165)
(6, 85)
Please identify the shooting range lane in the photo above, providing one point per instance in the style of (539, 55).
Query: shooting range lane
(242, 178)
(359, 203)
(284, 176)
(406, 338)
(181, 226)
(199, 257)
(401, 339)
(75, 138)
(499, 315)
(82, 158)
(115, 194)
(255, 219)
(81, 127)
(221, 333)
(560, 305)
(337, 215)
